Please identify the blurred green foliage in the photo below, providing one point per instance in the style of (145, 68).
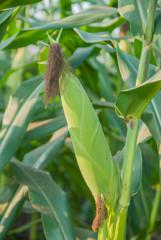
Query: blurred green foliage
(38, 137)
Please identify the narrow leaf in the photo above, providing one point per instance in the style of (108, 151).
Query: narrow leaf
(44, 128)
(86, 17)
(46, 197)
(12, 3)
(132, 10)
(42, 156)
(17, 116)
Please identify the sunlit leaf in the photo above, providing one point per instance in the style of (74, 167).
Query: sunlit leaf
(132, 102)
(45, 128)
(17, 117)
(132, 10)
(88, 16)
(128, 66)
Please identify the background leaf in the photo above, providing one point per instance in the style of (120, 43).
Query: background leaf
(47, 198)
(12, 3)
(17, 116)
(86, 17)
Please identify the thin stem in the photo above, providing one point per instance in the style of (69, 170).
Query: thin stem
(154, 210)
(133, 130)
(146, 50)
(33, 229)
(144, 64)
(128, 165)
(150, 21)
(126, 181)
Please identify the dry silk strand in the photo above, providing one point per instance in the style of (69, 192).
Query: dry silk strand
(53, 72)
(101, 213)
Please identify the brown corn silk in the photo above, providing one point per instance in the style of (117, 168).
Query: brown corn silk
(101, 214)
(53, 72)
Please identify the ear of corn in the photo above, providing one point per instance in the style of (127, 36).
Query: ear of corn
(90, 145)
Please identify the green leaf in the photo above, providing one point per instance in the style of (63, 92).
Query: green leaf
(85, 234)
(157, 50)
(26, 37)
(157, 22)
(86, 17)
(5, 43)
(150, 120)
(4, 21)
(128, 66)
(12, 3)
(8, 75)
(151, 164)
(12, 210)
(107, 25)
(17, 116)
(6, 14)
(132, 10)
(44, 128)
(96, 37)
(47, 198)
(138, 44)
(41, 157)
(136, 171)
(79, 56)
(7, 193)
(93, 37)
(51, 228)
(90, 146)
(103, 104)
(132, 102)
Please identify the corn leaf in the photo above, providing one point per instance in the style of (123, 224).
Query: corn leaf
(38, 158)
(12, 210)
(86, 17)
(17, 116)
(132, 10)
(44, 128)
(12, 3)
(26, 37)
(85, 234)
(5, 15)
(5, 43)
(43, 155)
(132, 102)
(128, 66)
(93, 37)
(47, 198)
(136, 171)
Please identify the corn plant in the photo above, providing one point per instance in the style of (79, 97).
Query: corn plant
(86, 125)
